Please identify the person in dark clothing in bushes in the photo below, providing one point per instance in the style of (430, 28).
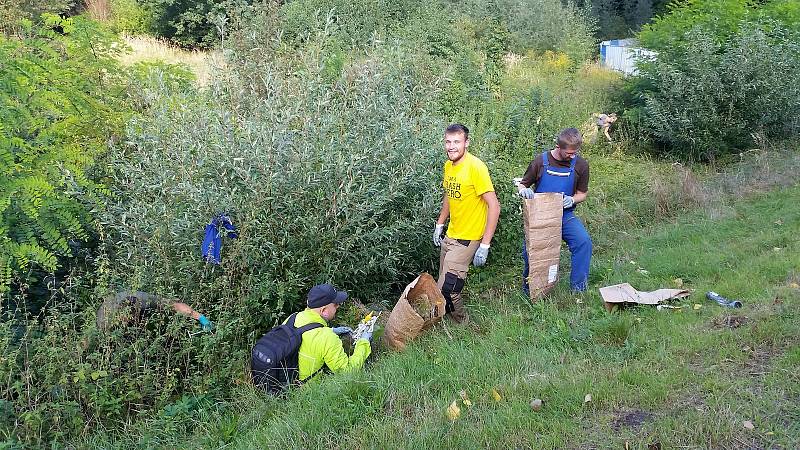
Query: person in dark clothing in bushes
(133, 307)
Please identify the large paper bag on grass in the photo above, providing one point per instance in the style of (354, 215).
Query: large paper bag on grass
(420, 306)
(542, 225)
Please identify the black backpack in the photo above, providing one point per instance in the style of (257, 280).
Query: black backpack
(274, 359)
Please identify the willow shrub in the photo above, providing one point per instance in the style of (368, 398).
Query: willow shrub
(709, 99)
(538, 25)
(325, 182)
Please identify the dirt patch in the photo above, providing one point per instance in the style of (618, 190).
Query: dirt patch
(630, 418)
(760, 359)
(729, 322)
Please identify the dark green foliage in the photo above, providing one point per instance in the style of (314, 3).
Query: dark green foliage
(188, 23)
(618, 19)
(725, 76)
(538, 25)
(57, 110)
(62, 374)
(720, 19)
(12, 12)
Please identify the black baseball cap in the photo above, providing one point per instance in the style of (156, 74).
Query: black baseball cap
(323, 294)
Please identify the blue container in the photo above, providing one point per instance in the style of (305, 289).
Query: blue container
(711, 295)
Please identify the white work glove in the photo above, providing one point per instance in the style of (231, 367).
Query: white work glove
(480, 256)
(342, 330)
(437, 234)
(568, 201)
(367, 334)
(526, 193)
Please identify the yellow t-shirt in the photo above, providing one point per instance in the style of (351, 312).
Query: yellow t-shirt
(464, 185)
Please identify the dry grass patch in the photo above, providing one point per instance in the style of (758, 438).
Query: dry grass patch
(729, 322)
(145, 48)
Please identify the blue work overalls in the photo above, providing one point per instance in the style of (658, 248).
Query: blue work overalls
(558, 179)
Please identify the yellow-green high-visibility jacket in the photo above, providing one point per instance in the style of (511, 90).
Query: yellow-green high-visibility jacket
(321, 346)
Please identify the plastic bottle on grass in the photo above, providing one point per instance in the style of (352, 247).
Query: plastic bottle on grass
(722, 301)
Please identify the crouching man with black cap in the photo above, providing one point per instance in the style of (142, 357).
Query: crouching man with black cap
(321, 346)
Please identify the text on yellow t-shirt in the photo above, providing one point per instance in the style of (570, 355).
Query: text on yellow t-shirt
(464, 184)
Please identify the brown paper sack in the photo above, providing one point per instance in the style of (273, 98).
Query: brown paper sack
(542, 224)
(420, 306)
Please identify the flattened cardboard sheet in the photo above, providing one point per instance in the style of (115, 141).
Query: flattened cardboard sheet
(625, 293)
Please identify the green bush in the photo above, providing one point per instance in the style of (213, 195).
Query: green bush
(422, 27)
(12, 11)
(325, 181)
(187, 23)
(615, 19)
(721, 20)
(60, 375)
(59, 104)
(708, 98)
(353, 23)
(538, 25)
(724, 77)
(131, 16)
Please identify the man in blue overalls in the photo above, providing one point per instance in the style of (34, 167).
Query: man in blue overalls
(562, 170)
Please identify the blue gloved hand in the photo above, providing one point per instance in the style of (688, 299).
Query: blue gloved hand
(526, 193)
(205, 324)
(342, 330)
(437, 234)
(480, 256)
(568, 201)
(366, 335)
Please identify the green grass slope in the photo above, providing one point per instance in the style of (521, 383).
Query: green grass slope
(699, 378)
(690, 378)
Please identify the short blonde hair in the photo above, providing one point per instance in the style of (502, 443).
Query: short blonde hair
(569, 137)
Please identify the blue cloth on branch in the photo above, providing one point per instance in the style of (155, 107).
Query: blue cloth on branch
(212, 243)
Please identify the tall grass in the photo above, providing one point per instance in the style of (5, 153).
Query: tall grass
(150, 49)
(99, 10)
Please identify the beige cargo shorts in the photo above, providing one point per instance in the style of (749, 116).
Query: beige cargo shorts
(454, 260)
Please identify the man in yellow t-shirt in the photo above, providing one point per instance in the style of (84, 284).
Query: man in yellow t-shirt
(471, 203)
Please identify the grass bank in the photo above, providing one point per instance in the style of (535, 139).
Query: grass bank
(699, 378)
